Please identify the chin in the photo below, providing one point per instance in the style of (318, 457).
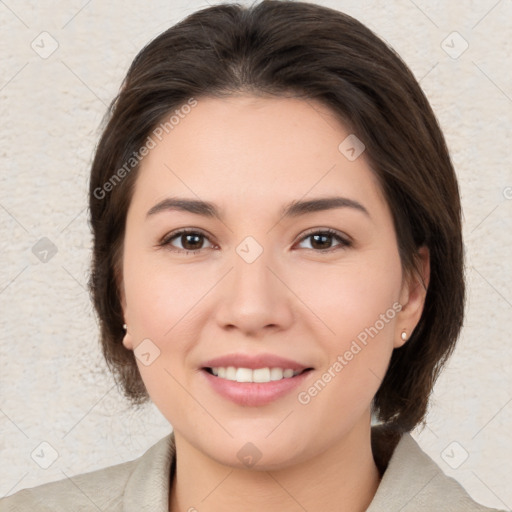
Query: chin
(256, 450)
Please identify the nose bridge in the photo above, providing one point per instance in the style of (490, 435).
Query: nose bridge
(253, 296)
(252, 279)
(251, 270)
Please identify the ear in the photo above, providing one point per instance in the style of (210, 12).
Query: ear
(412, 297)
(127, 339)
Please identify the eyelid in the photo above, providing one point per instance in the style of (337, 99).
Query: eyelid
(166, 240)
(345, 241)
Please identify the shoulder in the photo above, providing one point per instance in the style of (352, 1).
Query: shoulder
(411, 481)
(104, 489)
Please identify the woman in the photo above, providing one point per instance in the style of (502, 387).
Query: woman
(277, 260)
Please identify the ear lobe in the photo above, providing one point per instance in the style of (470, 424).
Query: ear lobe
(412, 298)
(127, 341)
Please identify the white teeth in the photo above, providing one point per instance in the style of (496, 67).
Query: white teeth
(261, 375)
(243, 375)
(276, 374)
(256, 375)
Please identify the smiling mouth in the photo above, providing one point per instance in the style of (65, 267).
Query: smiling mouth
(256, 375)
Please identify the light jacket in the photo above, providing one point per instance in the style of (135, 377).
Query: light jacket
(411, 482)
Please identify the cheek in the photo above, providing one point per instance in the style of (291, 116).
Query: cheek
(350, 298)
(164, 301)
(359, 303)
(358, 306)
(161, 296)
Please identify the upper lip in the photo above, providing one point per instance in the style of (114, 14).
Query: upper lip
(254, 361)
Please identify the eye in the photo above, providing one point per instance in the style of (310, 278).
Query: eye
(191, 241)
(320, 240)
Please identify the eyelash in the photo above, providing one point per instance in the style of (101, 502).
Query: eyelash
(344, 242)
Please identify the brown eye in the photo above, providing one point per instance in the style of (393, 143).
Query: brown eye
(191, 241)
(321, 240)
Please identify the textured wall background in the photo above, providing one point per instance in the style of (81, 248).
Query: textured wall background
(61, 64)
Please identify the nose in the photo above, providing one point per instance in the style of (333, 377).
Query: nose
(255, 298)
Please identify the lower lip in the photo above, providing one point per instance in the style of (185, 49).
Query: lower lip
(254, 394)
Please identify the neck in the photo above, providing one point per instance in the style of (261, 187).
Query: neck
(344, 475)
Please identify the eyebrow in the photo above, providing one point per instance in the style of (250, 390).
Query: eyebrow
(293, 209)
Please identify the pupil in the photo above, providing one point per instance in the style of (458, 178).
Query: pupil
(315, 237)
(186, 243)
(197, 238)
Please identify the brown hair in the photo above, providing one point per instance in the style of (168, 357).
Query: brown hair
(312, 52)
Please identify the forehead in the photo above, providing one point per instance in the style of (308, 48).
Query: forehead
(254, 149)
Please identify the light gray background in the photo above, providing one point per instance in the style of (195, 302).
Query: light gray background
(53, 383)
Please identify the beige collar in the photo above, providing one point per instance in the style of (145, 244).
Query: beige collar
(411, 480)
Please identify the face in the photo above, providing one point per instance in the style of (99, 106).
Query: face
(254, 287)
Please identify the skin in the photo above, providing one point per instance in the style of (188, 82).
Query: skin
(299, 299)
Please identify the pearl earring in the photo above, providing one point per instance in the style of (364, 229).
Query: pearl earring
(404, 335)
(124, 327)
